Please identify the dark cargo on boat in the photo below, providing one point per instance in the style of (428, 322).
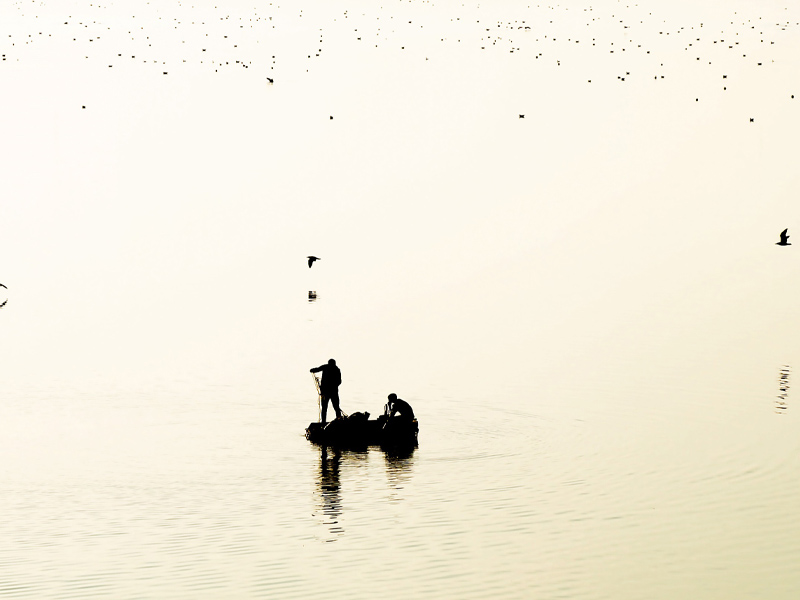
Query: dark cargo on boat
(358, 430)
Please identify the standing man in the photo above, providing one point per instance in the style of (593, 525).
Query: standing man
(329, 387)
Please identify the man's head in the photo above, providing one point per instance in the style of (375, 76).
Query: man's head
(332, 362)
(392, 397)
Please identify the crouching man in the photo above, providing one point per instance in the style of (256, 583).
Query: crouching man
(399, 409)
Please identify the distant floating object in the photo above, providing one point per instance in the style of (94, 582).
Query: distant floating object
(270, 80)
(784, 238)
(522, 116)
(312, 296)
(311, 260)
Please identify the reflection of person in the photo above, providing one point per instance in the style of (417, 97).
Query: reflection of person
(329, 480)
(396, 405)
(328, 488)
(329, 387)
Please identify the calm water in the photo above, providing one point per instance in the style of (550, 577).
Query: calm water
(666, 488)
(585, 306)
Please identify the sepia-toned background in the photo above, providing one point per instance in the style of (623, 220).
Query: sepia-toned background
(550, 228)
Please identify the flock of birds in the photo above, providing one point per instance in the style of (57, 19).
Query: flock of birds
(142, 33)
(626, 41)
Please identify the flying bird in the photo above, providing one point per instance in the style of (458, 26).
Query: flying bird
(784, 239)
(1, 285)
(4, 302)
(311, 260)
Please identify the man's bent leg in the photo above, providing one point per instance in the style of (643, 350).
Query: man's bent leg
(335, 402)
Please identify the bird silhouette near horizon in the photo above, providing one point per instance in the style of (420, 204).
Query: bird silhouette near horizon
(3, 285)
(784, 239)
(311, 260)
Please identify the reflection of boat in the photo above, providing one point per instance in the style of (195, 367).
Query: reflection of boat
(358, 430)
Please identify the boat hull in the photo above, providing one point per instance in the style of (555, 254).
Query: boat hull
(355, 432)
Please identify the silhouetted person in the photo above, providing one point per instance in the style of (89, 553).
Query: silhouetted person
(399, 409)
(784, 239)
(329, 387)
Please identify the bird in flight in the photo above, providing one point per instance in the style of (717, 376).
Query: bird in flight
(311, 260)
(1, 285)
(784, 239)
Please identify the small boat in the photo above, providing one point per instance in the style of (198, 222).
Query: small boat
(357, 430)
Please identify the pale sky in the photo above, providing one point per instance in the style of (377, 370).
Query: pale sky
(164, 228)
